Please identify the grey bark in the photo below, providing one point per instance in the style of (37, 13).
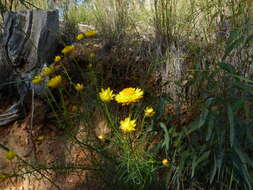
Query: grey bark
(28, 42)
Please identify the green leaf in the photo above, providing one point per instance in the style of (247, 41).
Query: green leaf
(249, 39)
(227, 67)
(238, 104)
(196, 162)
(210, 128)
(214, 171)
(232, 127)
(230, 47)
(242, 170)
(166, 141)
(203, 117)
(245, 159)
(197, 124)
(220, 159)
(233, 35)
(249, 134)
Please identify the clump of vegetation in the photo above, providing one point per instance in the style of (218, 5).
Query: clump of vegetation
(189, 131)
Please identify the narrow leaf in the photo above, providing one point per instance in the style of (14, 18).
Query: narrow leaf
(231, 126)
(166, 136)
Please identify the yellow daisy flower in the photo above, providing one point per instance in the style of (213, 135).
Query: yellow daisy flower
(106, 95)
(3, 176)
(127, 125)
(149, 112)
(74, 108)
(55, 81)
(89, 66)
(68, 49)
(40, 138)
(92, 55)
(47, 71)
(90, 33)
(165, 162)
(80, 36)
(129, 95)
(37, 79)
(79, 87)
(57, 59)
(10, 155)
(101, 137)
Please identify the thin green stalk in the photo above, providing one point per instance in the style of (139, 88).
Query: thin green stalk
(142, 123)
(108, 115)
(80, 69)
(28, 164)
(66, 72)
(65, 111)
(80, 143)
(53, 108)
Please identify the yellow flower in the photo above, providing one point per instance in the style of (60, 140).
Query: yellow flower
(92, 55)
(177, 143)
(40, 138)
(89, 66)
(90, 33)
(165, 162)
(10, 155)
(79, 87)
(57, 59)
(106, 95)
(47, 71)
(149, 112)
(68, 49)
(3, 176)
(37, 79)
(101, 137)
(129, 95)
(74, 108)
(55, 81)
(127, 125)
(80, 36)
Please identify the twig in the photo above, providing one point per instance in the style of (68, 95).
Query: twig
(35, 169)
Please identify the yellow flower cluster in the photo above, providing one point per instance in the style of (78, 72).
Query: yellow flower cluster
(47, 71)
(127, 125)
(56, 81)
(125, 97)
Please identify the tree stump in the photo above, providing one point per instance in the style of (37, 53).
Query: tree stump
(28, 42)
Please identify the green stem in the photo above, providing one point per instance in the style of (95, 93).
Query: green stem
(66, 72)
(142, 123)
(108, 115)
(28, 164)
(80, 69)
